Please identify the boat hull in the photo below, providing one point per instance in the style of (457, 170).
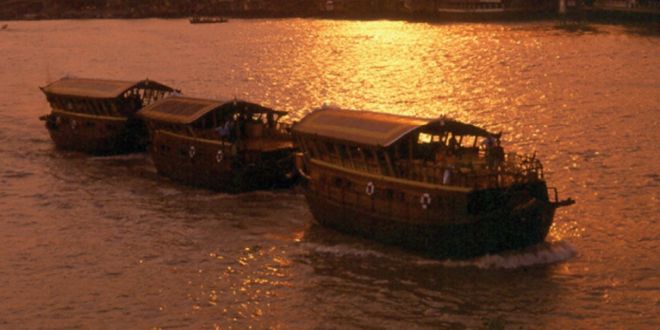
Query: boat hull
(486, 234)
(437, 220)
(220, 166)
(96, 134)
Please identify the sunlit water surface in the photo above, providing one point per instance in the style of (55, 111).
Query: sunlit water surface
(94, 242)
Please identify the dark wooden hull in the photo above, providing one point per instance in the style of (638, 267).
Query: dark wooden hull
(220, 166)
(96, 134)
(454, 224)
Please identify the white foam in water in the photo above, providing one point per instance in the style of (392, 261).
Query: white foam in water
(343, 250)
(542, 254)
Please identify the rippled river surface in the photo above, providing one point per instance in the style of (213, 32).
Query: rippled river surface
(104, 242)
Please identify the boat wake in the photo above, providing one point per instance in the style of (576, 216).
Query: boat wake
(541, 254)
(344, 250)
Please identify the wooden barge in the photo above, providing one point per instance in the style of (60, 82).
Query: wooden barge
(98, 116)
(429, 185)
(231, 146)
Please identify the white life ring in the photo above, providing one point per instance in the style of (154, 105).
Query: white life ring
(73, 124)
(425, 200)
(219, 156)
(192, 152)
(370, 188)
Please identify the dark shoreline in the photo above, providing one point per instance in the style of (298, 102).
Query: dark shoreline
(597, 16)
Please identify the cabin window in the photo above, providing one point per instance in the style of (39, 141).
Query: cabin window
(91, 105)
(330, 148)
(147, 94)
(82, 106)
(424, 138)
(94, 107)
(75, 105)
(355, 156)
(113, 108)
(105, 107)
(316, 146)
(342, 152)
(309, 145)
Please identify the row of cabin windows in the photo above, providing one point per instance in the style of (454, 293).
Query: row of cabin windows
(425, 147)
(87, 106)
(147, 96)
(131, 101)
(369, 159)
(220, 116)
(207, 126)
(462, 141)
(401, 159)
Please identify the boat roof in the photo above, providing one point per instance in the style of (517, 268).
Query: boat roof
(96, 88)
(376, 128)
(186, 110)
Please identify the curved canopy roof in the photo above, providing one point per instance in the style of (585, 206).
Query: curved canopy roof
(186, 110)
(374, 128)
(97, 88)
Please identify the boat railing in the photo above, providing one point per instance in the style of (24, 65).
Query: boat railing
(523, 165)
(476, 172)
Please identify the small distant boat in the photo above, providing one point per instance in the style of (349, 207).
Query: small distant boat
(97, 115)
(472, 6)
(207, 20)
(424, 184)
(231, 146)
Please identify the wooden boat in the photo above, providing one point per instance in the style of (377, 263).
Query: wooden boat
(98, 116)
(425, 184)
(207, 20)
(231, 146)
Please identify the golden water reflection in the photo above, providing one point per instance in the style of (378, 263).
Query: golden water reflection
(252, 281)
(385, 66)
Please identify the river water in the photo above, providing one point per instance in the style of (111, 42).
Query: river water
(104, 242)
